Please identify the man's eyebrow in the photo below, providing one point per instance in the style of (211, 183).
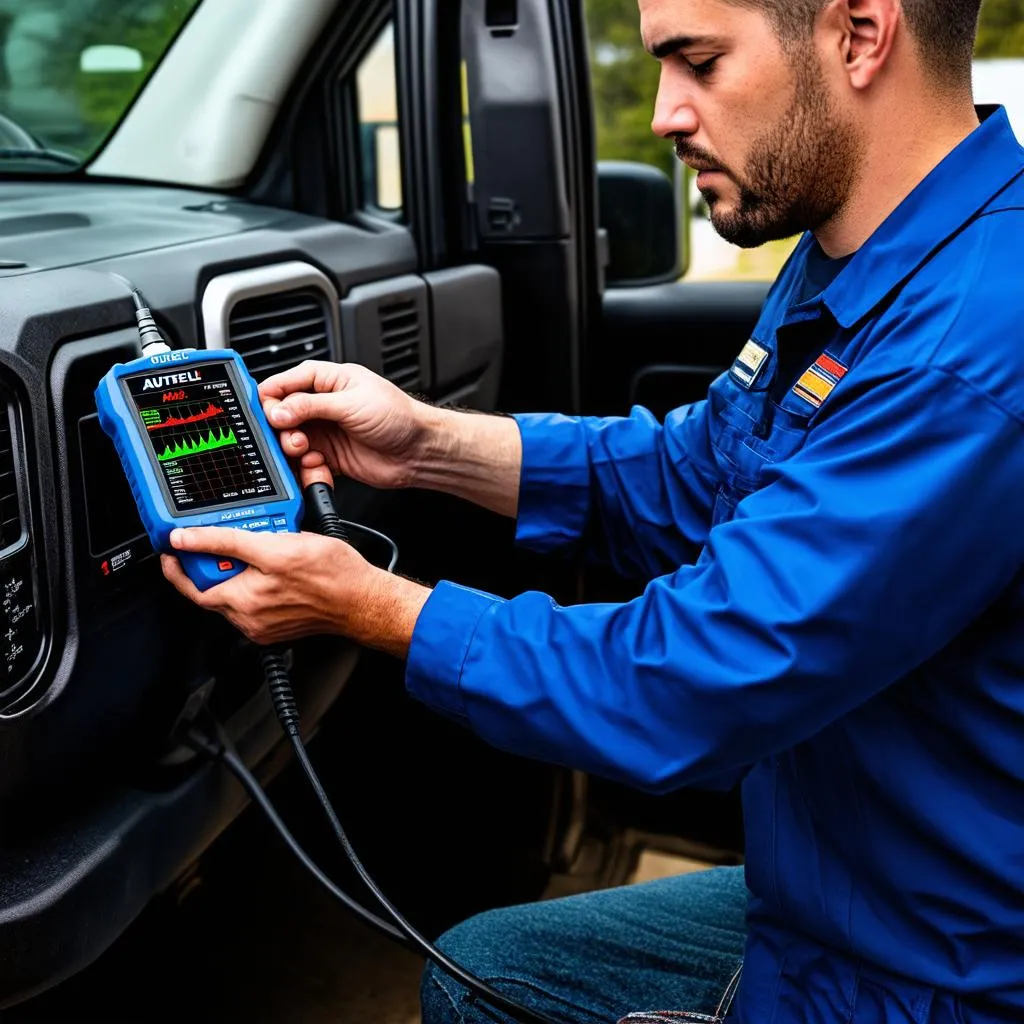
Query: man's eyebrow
(676, 43)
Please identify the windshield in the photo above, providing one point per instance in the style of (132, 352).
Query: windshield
(69, 69)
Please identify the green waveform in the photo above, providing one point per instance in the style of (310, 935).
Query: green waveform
(207, 444)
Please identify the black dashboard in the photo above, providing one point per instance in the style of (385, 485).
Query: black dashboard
(99, 658)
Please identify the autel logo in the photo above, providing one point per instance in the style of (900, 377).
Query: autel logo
(170, 379)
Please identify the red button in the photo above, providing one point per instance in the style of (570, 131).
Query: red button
(225, 566)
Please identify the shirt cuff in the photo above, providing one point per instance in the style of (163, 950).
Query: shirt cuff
(554, 488)
(440, 643)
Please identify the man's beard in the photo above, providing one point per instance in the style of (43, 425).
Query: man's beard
(798, 175)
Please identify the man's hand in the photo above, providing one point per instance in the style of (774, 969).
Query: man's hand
(343, 418)
(300, 584)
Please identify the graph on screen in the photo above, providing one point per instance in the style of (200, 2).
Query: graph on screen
(153, 421)
(201, 439)
(196, 447)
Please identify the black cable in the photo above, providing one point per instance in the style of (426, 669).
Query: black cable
(275, 672)
(224, 751)
(390, 567)
(149, 333)
(320, 503)
(320, 499)
(477, 985)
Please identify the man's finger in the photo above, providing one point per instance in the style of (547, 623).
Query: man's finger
(315, 475)
(246, 546)
(175, 574)
(312, 459)
(301, 406)
(294, 443)
(311, 375)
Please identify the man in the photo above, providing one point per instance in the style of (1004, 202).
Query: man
(832, 541)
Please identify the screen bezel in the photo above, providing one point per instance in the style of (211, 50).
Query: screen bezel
(270, 460)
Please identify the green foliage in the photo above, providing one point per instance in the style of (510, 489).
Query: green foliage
(148, 28)
(1001, 32)
(624, 81)
(64, 106)
(625, 78)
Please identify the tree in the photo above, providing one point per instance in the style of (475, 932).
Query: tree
(625, 78)
(145, 25)
(625, 81)
(42, 86)
(1001, 31)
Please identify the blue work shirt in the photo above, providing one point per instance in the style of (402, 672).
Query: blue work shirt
(834, 543)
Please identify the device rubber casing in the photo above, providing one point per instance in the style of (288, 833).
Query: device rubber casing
(121, 423)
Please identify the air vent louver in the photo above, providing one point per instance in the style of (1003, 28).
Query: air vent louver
(400, 344)
(275, 332)
(10, 510)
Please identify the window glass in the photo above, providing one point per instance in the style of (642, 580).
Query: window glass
(625, 81)
(69, 69)
(377, 88)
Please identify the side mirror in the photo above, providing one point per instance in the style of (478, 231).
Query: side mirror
(641, 210)
(103, 59)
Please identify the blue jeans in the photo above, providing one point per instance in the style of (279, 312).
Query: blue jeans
(672, 944)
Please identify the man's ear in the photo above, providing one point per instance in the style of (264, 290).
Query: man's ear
(868, 30)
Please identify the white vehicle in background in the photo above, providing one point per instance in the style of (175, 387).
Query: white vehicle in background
(1001, 80)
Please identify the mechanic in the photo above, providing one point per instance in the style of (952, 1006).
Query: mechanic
(832, 546)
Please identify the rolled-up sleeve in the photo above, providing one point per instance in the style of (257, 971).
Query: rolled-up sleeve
(628, 490)
(862, 556)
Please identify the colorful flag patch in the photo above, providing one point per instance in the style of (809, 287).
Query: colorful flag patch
(818, 380)
(749, 363)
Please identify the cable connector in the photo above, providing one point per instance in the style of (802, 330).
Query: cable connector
(275, 671)
(149, 334)
(320, 501)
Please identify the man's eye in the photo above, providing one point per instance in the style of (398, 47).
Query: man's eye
(703, 69)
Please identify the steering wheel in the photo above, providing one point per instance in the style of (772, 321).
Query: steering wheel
(13, 136)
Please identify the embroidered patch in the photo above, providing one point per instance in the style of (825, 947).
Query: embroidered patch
(749, 363)
(818, 380)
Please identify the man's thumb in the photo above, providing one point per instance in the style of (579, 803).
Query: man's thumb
(299, 408)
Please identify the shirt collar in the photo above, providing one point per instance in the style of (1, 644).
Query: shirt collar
(957, 189)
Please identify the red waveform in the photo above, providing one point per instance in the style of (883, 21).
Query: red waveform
(174, 421)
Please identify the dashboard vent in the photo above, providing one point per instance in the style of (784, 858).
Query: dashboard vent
(278, 331)
(400, 344)
(10, 509)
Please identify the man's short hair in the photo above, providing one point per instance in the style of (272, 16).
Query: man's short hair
(944, 30)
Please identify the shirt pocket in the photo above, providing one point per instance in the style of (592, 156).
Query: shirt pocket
(725, 506)
(744, 457)
(787, 432)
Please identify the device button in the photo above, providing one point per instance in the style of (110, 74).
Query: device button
(280, 521)
(225, 566)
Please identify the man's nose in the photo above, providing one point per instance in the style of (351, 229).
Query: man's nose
(674, 110)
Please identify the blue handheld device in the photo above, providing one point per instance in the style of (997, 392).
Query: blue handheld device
(197, 451)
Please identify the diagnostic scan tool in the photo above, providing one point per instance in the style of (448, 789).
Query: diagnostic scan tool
(197, 451)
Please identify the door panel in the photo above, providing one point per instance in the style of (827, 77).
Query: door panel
(661, 346)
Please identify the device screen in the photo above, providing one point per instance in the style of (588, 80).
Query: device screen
(198, 434)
